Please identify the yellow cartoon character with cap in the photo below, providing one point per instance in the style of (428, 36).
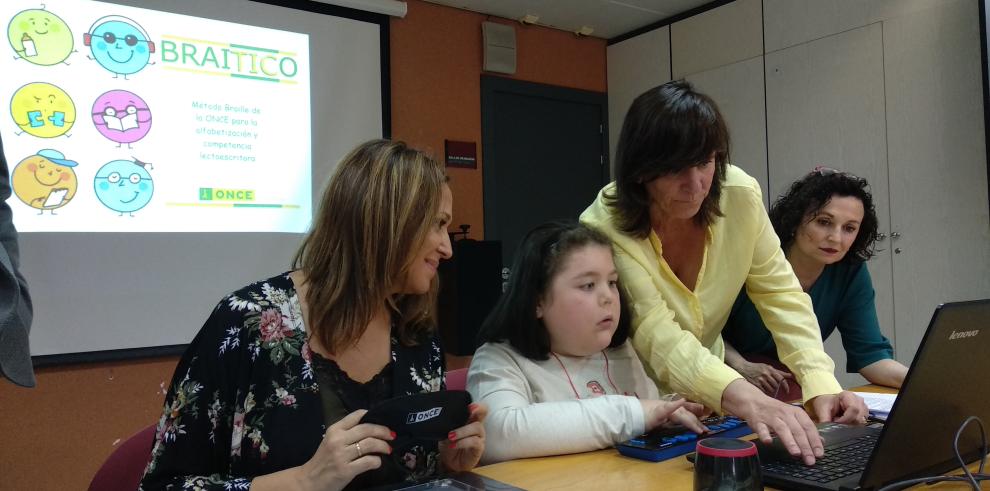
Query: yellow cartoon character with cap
(45, 180)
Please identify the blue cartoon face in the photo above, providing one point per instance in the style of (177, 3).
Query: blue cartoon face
(120, 46)
(124, 186)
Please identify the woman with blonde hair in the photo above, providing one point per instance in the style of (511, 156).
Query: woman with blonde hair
(270, 393)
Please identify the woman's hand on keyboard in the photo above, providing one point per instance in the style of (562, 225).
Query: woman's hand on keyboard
(767, 416)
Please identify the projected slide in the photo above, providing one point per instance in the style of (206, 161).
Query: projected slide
(123, 119)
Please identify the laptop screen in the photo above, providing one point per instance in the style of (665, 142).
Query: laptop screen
(949, 380)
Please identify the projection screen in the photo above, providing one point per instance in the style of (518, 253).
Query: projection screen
(165, 153)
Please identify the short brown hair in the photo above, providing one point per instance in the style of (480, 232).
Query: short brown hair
(668, 128)
(374, 216)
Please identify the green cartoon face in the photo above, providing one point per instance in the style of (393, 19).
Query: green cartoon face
(40, 37)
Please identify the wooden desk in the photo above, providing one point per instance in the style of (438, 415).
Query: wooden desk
(601, 470)
(606, 470)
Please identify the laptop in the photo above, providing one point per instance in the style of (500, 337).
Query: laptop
(948, 381)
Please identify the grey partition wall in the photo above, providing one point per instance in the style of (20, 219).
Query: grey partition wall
(887, 89)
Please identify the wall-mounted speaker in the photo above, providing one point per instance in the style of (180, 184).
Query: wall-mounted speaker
(500, 47)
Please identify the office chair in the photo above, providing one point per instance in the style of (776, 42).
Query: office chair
(125, 466)
(457, 379)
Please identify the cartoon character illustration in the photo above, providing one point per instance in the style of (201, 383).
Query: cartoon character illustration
(43, 110)
(119, 44)
(124, 186)
(121, 116)
(40, 37)
(45, 180)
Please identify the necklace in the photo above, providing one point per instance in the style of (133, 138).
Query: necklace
(608, 375)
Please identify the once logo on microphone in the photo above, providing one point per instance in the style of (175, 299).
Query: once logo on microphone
(423, 415)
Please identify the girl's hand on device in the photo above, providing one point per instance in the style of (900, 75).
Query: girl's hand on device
(664, 412)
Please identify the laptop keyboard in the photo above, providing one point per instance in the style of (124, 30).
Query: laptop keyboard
(841, 460)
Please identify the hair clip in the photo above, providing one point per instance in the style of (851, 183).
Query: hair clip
(824, 171)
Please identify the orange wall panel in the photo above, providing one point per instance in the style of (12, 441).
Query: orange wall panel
(437, 56)
(56, 435)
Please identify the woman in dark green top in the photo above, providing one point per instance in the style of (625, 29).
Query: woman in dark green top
(827, 227)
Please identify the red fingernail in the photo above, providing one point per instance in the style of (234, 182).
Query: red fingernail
(453, 444)
(451, 436)
(389, 449)
(393, 435)
(472, 407)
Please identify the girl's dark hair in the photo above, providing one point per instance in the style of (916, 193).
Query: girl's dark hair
(667, 129)
(806, 198)
(538, 259)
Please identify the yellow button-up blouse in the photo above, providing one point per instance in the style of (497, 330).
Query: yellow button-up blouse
(677, 332)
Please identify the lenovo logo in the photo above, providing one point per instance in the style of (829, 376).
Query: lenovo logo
(423, 415)
(963, 334)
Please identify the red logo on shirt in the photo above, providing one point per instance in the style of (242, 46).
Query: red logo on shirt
(596, 388)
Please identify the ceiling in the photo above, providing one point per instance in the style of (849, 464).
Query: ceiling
(608, 18)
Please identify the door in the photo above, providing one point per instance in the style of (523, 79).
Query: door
(738, 89)
(543, 156)
(940, 230)
(825, 106)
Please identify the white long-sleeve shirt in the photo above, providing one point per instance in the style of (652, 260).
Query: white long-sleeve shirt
(560, 405)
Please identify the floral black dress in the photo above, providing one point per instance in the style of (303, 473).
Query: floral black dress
(245, 401)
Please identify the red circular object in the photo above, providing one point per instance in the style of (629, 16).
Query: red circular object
(743, 448)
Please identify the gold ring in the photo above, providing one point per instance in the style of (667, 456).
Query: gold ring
(357, 445)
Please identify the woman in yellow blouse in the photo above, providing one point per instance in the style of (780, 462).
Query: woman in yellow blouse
(689, 232)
